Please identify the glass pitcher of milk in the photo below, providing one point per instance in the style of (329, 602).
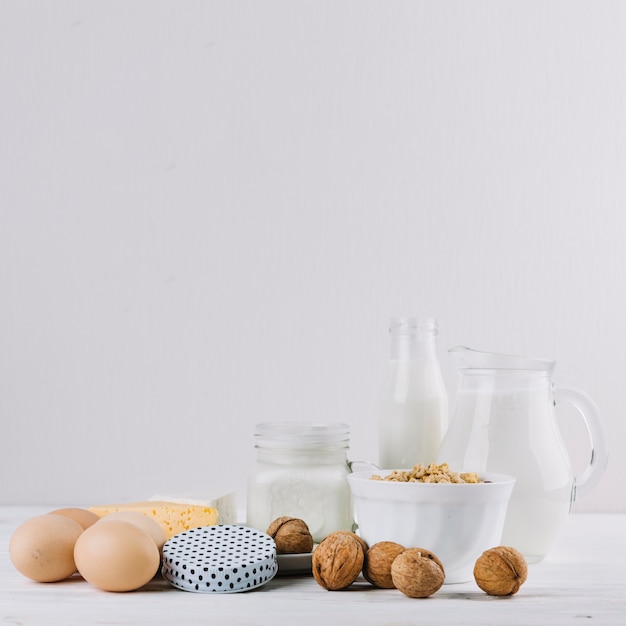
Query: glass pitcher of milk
(504, 421)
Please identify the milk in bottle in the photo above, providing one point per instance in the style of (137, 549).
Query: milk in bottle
(414, 406)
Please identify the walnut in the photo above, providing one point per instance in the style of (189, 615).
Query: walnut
(377, 564)
(338, 560)
(417, 573)
(291, 535)
(361, 541)
(500, 571)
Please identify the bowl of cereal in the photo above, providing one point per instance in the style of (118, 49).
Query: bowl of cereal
(455, 515)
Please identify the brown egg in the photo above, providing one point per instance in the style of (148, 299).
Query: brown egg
(84, 517)
(150, 525)
(116, 556)
(42, 548)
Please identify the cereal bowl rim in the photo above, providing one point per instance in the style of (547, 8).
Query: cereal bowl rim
(491, 480)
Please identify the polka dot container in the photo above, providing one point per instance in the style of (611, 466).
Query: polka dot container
(219, 559)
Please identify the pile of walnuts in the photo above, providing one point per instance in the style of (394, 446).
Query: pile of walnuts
(341, 557)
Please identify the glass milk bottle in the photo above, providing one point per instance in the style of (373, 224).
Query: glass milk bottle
(301, 471)
(413, 413)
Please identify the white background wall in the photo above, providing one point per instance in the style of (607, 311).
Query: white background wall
(211, 209)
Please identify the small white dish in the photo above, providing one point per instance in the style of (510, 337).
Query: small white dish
(294, 564)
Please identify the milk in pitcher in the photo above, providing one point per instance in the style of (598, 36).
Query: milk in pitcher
(502, 442)
(504, 421)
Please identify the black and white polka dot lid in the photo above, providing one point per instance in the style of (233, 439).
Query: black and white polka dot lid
(219, 559)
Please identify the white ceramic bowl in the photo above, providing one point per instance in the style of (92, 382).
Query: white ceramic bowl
(457, 522)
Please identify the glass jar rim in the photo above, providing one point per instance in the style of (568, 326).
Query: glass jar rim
(302, 435)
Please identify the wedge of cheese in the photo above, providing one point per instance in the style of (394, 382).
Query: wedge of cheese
(225, 504)
(173, 517)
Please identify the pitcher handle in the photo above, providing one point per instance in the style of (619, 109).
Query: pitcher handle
(590, 414)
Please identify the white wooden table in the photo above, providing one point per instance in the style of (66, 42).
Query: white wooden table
(583, 581)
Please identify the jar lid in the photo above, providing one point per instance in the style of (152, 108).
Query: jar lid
(225, 558)
(302, 435)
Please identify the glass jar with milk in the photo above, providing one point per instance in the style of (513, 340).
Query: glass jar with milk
(413, 413)
(301, 471)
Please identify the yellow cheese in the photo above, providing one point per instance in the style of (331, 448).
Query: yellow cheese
(173, 517)
(225, 504)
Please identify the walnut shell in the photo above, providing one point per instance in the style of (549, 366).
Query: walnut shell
(291, 535)
(417, 573)
(337, 561)
(377, 564)
(500, 571)
(361, 541)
